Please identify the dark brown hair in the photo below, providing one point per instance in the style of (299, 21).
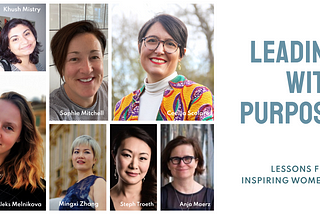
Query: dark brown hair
(5, 40)
(174, 26)
(149, 186)
(61, 40)
(181, 140)
(23, 167)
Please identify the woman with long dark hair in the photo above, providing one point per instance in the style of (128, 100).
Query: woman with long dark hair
(19, 47)
(134, 154)
(21, 156)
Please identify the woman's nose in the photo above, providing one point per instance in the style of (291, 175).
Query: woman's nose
(86, 66)
(134, 163)
(160, 49)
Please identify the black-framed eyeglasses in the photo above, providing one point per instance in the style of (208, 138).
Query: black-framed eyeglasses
(153, 42)
(185, 159)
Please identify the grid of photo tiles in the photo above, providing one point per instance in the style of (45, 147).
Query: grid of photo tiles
(107, 107)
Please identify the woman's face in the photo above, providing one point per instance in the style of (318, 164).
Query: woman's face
(21, 41)
(157, 63)
(83, 70)
(83, 157)
(10, 127)
(182, 170)
(133, 160)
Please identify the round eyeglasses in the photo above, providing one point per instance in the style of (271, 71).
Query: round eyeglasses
(185, 159)
(152, 43)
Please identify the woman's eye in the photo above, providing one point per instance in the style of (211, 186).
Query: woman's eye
(28, 33)
(14, 40)
(73, 59)
(9, 128)
(95, 57)
(152, 41)
(143, 158)
(126, 155)
(171, 44)
(75, 152)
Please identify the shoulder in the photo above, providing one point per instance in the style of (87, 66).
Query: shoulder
(100, 181)
(166, 187)
(39, 67)
(58, 102)
(128, 106)
(104, 87)
(182, 83)
(209, 192)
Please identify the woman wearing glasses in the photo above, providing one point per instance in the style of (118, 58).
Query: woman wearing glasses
(165, 94)
(182, 159)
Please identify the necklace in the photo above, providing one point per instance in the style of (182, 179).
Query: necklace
(175, 191)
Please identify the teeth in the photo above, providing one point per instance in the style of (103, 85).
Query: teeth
(158, 60)
(86, 80)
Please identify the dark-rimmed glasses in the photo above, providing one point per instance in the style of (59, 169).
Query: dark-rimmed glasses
(185, 159)
(153, 42)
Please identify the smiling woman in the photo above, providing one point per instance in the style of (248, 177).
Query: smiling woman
(134, 154)
(165, 95)
(19, 47)
(89, 192)
(78, 51)
(182, 159)
(21, 156)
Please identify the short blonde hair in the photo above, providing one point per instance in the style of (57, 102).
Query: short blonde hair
(87, 140)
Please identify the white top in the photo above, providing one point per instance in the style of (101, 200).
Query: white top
(151, 98)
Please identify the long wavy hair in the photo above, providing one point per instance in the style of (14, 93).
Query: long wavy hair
(23, 167)
(4, 39)
(149, 186)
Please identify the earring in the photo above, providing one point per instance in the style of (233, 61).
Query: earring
(179, 66)
(143, 179)
(115, 174)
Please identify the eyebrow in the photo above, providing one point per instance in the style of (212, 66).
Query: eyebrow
(77, 52)
(159, 38)
(142, 153)
(84, 149)
(11, 124)
(22, 33)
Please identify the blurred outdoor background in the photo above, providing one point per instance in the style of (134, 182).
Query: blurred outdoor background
(127, 19)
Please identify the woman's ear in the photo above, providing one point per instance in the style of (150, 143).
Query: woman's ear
(139, 46)
(113, 157)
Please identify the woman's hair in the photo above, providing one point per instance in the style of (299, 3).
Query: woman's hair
(174, 26)
(61, 40)
(181, 140)
(5, 40)
(88, 141)
(23, 166)
(149, 186)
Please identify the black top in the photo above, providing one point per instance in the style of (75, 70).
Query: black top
(22, 199)
(171, 199)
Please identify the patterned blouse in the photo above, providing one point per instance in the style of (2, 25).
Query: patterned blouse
(186, 100)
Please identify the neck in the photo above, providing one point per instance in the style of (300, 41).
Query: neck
(129, 191)
(83, 174)
(184, 185)
(83, 102)
(25, 60)
(154, 79)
